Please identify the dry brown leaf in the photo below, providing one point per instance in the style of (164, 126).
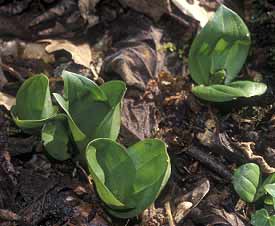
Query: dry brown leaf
(7, 100)
(185, 203)
(81, 53)
(213, 216)
(194, 10)
(152, 8)
(37, 51)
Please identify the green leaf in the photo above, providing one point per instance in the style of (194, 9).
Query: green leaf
(268, 200)
(93, 111)
(261, 191)
(262, 218)
(110, 126)
(246, 180)
(270, 189)
(231, 91)
(151, 165)
(55, 138)
(113, 171)
(223, 44)
(33, 103)
(152, 173)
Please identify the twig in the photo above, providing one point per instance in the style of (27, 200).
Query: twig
(245, 147)
(169, 213)
(209, 161)
(13, 72)
(88, 178)
(179, 19)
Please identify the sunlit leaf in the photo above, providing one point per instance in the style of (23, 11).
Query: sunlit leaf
(93, 111)
(261, 190)
(246, 180)
(231, 91)
(137, 181)
(113, 171)
(33, 103)
(262, 218)
(222, 44)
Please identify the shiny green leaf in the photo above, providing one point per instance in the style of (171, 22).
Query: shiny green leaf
(261, 190)
(33, 103)
(270, 189)
(112, 170)
(262, 218)
(246, 180)
(93, 111)
(136, 181)
(223, 44)
(55, 138)
(152, 173)
(231, 91)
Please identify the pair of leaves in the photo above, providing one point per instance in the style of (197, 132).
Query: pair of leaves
(246, 182)
(262, 218)
(128, 181)
(217, 56)
(90, 111)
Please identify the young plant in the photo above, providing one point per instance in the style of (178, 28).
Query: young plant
(262, 218)
(90, 111)
(247, 183)
(216, 57)
(128, 180)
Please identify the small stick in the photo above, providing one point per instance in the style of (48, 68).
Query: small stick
(209, 161)
(179, 19)
(169, 213)
(13, 72)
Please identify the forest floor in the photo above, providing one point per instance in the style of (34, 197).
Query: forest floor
(148, 49)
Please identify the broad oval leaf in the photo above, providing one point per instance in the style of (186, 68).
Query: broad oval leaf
(33, 103)
(223, 44)
(262, 218)
(261, 190)
(246, 180)
(270, 189)
(231, 91)
(55, 138)
(153, 170)
(113, 171)
(151, 165)
(93, 111)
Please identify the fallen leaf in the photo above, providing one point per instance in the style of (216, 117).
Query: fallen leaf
(185, 203)
(138, 120)
(194, 10)
(87, 11)
(134, 57)
(152, 8)
(98, 221)
(81, 53)
(37, 51)
(218, 217)
(7, 100)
